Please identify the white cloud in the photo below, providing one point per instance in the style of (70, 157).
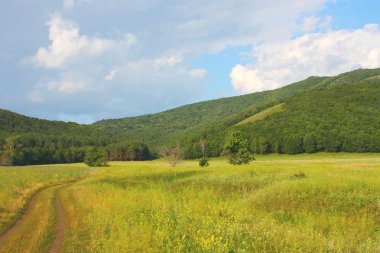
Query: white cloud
(111, 75)
(158, 72)
(35, 96)
(67, 86)
(64, 86)
(198, 73)
(67, 44)
(68, 4)
(167, 61)
(313, 23)
(328, 53)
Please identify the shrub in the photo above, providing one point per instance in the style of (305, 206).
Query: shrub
(299, 175)
(203, 162)
(96, 157)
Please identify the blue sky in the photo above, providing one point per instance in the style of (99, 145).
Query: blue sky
(86, 60)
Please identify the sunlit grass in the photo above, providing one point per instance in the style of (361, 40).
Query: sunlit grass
(36, 231)
(17, 184)
(151, 207)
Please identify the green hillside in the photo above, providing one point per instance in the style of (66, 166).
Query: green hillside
(11, 122)
(343, 117)
(191, 122)
(339, 113)
(342, 114)
(25, 140)
(170, 126)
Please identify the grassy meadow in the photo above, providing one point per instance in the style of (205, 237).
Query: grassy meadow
(279, 203)
(17, 185)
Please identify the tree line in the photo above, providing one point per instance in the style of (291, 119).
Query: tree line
(30, 149)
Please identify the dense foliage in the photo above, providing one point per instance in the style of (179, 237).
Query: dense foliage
(128, 151)
(236, 148)
(96, 157)
(340, 118)
(166, 128)
(341, 115)
(68, 147)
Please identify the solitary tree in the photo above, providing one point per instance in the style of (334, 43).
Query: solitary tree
(172, 154)
(96, 157)
(236, 148)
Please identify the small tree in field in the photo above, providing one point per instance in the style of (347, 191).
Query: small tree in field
(96, 157)
(203, 162)
(172, 154)
(236, 148)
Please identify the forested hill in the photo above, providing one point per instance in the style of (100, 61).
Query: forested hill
(343, 114)
(11, 122)
(343, 117)
(340, 113)
(25, 140)
(192, 120)
(175, 124)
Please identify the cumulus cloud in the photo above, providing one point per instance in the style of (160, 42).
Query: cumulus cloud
(325, 53)
(110, 76)
(68, 4)
(67, 86)
(67, 44)
(64, 86)
(313, 23)
(133, 85)
(140, 87)
(117, 75)
(198, 73)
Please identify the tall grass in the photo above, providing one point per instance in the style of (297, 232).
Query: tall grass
(17, 184)
(308, 203)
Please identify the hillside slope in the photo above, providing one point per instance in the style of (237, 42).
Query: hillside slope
(340, 113)
(11, 122)
(345, 116)
(172, 125)
(193, 120)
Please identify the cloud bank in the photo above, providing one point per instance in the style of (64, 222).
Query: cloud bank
(325, 53)
(107, 59)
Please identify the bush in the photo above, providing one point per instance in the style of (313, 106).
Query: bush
(203, 162)
(96, 157)
(299, 175)
(236, 148)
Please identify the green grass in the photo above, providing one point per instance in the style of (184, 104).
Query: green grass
(18, 184)
(148, 206)
(34, 235)
(263, 114)
(279, 203)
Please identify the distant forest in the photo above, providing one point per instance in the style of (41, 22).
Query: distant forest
(330, 114)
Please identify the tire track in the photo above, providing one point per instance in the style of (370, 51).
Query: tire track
(60, 228)
(23, 216)
(25, 211)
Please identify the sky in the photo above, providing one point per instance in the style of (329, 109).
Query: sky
(87, 60)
